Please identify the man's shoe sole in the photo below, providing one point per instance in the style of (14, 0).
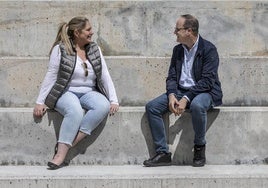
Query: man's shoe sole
(157, 164)
(198, 165)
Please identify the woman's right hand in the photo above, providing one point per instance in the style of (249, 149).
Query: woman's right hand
(39, 110)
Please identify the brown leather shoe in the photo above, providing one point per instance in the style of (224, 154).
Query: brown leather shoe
(160, 159)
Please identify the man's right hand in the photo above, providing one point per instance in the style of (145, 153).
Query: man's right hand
(173, 103)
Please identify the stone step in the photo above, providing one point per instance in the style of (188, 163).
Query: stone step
(136, 176)
(142, 28)
(139, 79)
(235, 135)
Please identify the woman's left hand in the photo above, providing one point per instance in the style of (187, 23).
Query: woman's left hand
(113, 109)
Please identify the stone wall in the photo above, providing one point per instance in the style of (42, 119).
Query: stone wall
(137, 40)
(139, 28)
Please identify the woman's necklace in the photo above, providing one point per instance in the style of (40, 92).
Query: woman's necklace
(81, 54)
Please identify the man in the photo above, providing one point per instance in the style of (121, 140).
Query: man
(192, 83)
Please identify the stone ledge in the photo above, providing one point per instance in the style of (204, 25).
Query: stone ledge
(235, 135)
(135, 176)
(244, 79)
(134, 27)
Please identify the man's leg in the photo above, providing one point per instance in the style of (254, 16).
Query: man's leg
(198, 108)
(155, 110)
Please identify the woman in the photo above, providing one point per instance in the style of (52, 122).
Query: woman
(77, 80)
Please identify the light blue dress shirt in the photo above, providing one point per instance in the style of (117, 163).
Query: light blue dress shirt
(186, 79)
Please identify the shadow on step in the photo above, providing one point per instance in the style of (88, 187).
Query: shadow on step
(82, 146)
(180, 135)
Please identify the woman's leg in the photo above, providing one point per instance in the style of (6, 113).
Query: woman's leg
(62, 151)
(97, 107)
(79, 137)
(69, 106)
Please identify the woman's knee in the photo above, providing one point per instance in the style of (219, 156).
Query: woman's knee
(76, 113)
(103, 107)
(69, 104)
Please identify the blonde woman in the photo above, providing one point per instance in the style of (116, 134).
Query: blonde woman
(77, 80)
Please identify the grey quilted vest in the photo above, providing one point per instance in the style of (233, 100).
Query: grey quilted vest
(66, 69)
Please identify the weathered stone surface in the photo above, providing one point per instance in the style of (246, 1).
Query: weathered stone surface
(139, 79)
(136, 176)
(232, 136)
(144, 28)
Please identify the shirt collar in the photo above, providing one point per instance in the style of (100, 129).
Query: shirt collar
(194, 48)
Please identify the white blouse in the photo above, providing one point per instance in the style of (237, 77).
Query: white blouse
(79, 82)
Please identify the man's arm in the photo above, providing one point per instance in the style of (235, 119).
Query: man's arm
(171, 81)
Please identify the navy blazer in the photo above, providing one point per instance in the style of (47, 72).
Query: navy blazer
(205, 71)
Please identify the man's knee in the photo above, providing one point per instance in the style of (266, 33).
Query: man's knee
(149, 106)
(196, 106)
(201, 102)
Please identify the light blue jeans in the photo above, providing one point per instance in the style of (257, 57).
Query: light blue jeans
(72, 107)
(156, 108)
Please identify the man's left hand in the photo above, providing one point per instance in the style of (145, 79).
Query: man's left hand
(182, 106)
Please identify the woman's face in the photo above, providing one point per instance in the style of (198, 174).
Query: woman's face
(85, 35)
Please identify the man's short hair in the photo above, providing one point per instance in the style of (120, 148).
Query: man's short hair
(191, 22)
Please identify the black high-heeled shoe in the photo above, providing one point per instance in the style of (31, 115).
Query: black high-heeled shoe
(55, 149)
(53, 166)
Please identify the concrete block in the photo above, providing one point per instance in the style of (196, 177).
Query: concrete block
(138, 79)
(136, 176)
(143, 28)
(235, 135)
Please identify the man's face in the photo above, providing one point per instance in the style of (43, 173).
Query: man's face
(180, 31)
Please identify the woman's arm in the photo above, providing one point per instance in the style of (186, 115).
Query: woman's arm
(51, 75)
(107, 82)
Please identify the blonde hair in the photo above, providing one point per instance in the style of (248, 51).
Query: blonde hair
(65, 33)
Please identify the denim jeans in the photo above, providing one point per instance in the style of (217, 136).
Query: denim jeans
(73, 105)
(156, 108)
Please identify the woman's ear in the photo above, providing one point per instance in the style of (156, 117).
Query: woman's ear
(76, 33)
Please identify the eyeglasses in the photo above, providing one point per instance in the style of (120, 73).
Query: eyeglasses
(178, 29)
(85, 68)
